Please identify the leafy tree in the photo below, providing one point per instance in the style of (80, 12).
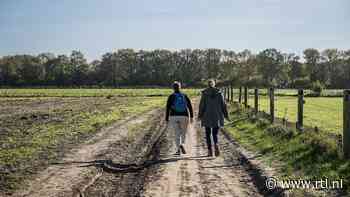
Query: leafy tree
(270, 66)
(8, 71)
(80, 68)
(312, 58)
(297, 69)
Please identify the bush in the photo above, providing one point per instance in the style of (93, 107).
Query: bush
(263, 123)
(280, 131)
(317, 87)
(303, 83)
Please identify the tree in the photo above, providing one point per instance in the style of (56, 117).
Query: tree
(80, 68)
(62, 71)
(213, 57)
(312, 58)
(247, 70)
(270, 66)
(332, 69)
(8, 71)
(29, 69)
(297, 69)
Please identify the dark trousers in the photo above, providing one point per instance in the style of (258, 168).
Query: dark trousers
(211, 131)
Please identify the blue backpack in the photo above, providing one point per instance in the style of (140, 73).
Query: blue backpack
(179, 103)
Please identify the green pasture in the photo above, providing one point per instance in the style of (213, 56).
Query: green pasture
(324, 112)
(90, 92)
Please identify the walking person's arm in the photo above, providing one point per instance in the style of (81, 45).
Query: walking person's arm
(224, 107)
(189, 106)
(168, 105)
(201, 107)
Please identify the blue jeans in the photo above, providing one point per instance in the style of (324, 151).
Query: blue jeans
(211, 132)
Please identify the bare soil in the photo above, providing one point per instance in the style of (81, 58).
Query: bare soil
(136, 158)
(195, 174)
(115, 148)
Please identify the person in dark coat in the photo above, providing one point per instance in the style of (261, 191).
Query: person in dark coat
(212, 111)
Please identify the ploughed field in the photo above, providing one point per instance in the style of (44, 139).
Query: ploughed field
(38, 126)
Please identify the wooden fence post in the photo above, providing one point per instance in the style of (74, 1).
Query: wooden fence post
(272, 104)
(228, 93)
(240, 94)
(256, 100)
(245, 96)
(231, 93)
(225, 93)
(346, 124)
(300, 119)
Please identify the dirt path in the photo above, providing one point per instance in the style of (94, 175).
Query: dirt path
(194, 174)
(116, 163)
(79, 169)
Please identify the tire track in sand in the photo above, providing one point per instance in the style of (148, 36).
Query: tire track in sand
(194, 174)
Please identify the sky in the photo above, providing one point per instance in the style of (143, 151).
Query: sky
(99, 26)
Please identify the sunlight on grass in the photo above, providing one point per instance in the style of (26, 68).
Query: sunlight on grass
(324, 112)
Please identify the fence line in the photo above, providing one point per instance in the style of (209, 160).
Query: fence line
(271, 102)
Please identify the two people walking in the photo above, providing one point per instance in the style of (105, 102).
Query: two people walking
(212, 111)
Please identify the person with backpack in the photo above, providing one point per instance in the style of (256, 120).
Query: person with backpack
(212, 111)
(178, 111)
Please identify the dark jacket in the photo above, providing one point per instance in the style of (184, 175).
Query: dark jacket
(212, 108)
(171, 112)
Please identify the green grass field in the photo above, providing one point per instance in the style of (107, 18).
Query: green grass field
(324, 112)
(89, 92)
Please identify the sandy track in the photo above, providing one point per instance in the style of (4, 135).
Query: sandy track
(78, 168)
(194, 174)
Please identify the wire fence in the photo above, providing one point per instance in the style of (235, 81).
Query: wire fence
(308, 112)
(324, 113)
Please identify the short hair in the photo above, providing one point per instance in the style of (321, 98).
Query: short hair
(176, 85)
(212, 80)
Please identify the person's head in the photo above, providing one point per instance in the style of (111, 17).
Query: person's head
(176, 86)
(211, 83)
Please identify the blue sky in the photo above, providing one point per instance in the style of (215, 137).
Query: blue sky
(96, 27)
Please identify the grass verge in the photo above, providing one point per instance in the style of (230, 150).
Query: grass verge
(309, 155)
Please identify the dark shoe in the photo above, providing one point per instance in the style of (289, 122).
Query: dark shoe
(182, 148)
(177, 153)
(210, 152)
(217, 151)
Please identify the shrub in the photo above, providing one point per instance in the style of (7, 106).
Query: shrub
(280, 131)
(302, 83)
(317, 87)
(263, 123)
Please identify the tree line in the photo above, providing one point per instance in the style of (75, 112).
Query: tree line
(127, 67)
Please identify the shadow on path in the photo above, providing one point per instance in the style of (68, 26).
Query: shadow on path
(110, 166)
